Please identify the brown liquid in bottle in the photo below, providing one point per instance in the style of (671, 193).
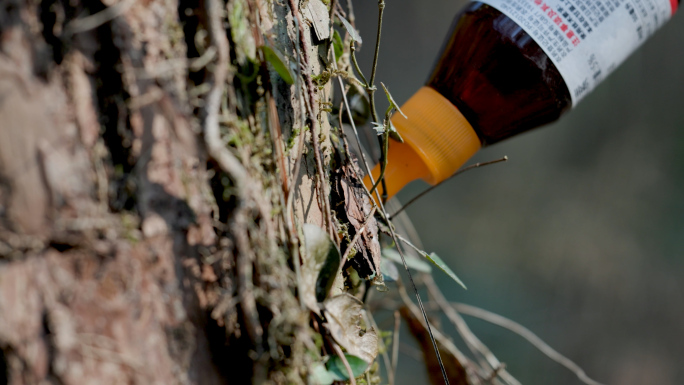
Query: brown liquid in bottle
(497, 75)
(492, 81)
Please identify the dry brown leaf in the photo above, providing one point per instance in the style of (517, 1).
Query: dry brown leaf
(344, 316)
(356, 208)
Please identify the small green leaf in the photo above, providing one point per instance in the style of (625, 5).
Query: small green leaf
(337, 369)
(352, 32)
(411, 262)
(338, 46)
(320, 375)
(278, 63)
(434, 258)
(393, 104)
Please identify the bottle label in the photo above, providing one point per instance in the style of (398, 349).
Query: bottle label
(587, 39)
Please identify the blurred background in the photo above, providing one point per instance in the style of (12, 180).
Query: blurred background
(580, 235)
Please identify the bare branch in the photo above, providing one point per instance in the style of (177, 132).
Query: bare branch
(526, 334)
(474, 344)
(459, 172)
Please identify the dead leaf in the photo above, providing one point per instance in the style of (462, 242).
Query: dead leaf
(344, 315)
(356, 207)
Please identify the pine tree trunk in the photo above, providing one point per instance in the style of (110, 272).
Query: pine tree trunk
(148, 219)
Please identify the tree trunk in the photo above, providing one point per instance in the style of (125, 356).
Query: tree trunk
(150, 195)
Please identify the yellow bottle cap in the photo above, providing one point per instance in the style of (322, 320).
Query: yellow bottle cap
(438, 140)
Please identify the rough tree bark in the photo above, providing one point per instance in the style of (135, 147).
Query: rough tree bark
(151, 196)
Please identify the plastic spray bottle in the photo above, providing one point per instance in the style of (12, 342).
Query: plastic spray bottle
(509, 66)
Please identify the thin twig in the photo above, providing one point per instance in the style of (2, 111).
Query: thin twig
(277, 137)
(331, 15)
(244, 267)
(230, 164)
(371, 95)
(289, 204)
(322, 190)
(420, 302)
(290, 220)
(526, 334)
(370, 86)
(474, 344)
(350, 13)
(353, 125)
(273, 119)
(340, 354)
(340, 11)
(352, 50)
(212, 136)
(361, 152)
(459, 172)
(385, 149)
(383, 348)
(302, 130)
(343, 135)
(411, 245)
(370, 90)
(358, 234)
(380, 204)
(470, 367)
(381, 10)
(395, 347)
